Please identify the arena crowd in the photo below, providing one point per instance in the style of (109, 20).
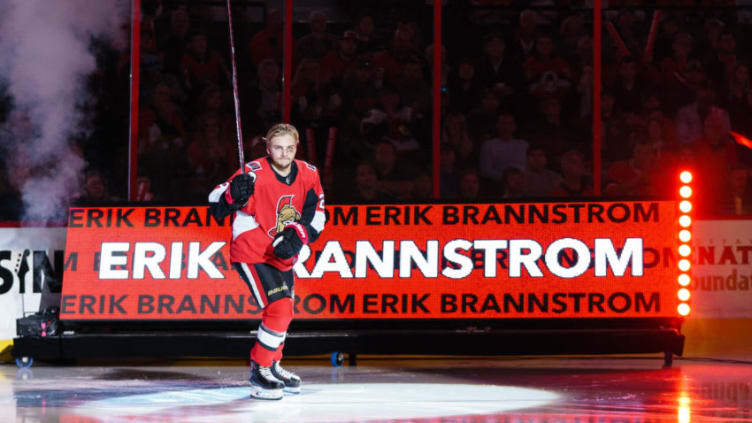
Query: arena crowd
(516, 104)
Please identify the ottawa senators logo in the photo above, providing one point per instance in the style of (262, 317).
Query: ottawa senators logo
(286, 214)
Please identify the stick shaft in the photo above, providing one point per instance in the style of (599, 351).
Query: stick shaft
(617, 38)
(235, 96)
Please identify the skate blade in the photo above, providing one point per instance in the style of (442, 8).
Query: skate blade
(266, 394)
(292, 390)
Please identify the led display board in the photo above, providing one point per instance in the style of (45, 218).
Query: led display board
(406, 261)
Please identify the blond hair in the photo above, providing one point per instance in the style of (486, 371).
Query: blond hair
(282, 129)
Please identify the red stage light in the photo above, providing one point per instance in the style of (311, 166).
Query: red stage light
(683, 294)
(685, 191)
(684, 279)
(683, 309)
(684, 265)
(685, 235)
(685, 206)
(685, 177)
(685, 221)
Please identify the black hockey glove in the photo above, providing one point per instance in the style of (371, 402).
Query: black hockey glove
(241, 189)
(287, 244)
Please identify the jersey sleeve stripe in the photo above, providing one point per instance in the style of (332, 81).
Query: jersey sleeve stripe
(217, 192)
(243, 222)
(319, 219)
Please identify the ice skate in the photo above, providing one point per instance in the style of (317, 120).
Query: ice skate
(263, 383)
(291, 380)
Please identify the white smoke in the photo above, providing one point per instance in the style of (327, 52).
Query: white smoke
(45, 58)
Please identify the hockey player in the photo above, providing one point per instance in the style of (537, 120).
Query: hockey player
(279, 207)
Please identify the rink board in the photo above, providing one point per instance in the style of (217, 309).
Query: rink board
(600, 260)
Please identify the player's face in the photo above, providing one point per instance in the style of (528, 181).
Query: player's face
(281, 150)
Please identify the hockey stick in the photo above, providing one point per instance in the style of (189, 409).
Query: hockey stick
(239, 129)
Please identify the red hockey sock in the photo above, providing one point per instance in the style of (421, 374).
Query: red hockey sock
(271, 334)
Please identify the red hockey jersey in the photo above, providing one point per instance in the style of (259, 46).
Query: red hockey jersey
(276, 201)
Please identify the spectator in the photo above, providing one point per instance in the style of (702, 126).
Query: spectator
(676, 65)
(655, 133)
(740, 113)
(482, 120)
(498, 70)
(683, 89)
(714, 156)
(394, 181)
(95, 190)
(712, 32)
(550, 85)
(628, 90)
(584, 53)
(735, 92)
(267, 43)
(689, 120)
(539, 180)
(404, 49)
(212, 101)
(305, 93)
(449, 175)
(208, 152)
(366, 185)
(638, 176)
(143, 189)
(404, 141)
(722, 63)
(469, 189)
(257, 148)
(454, 135)
(201, 66)
(504, 151)
(572, 31)
(514, 184)
(575, 181)
(163, 118)
(527, 34)
(318, 43)
(374, 127)
(337, 63)
(413, 90)
(359, 93)
(464, 89)
(545, 61)
(661, 130)
(11, 203)
(151, 61)
(174, 42)
(667, 31)
(365, 32)
(397, 113)
(398, 119)
(423, 187)
(552, 132)
(585, 93)
(625, 25)
(265, 96)
(615, 145)
(739, 200)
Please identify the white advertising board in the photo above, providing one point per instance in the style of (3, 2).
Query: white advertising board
(722, 269)
(31, 264)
